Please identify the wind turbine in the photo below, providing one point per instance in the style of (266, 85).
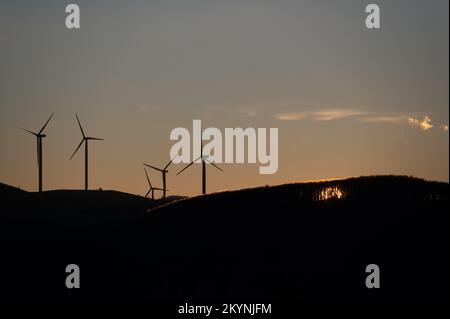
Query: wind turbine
(163, 171)
(39, 137)
(85, 139)
(204, 159)
(151, 189)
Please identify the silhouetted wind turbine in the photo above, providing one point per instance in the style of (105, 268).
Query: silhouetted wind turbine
(163, 171)
(85, 139)
(204, 159)
(39, 137)
(151, 189)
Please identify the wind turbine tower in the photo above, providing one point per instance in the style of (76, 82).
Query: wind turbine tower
(163, 171)
(85, 140)
(151, 189)
(39, 136)
(204, 160)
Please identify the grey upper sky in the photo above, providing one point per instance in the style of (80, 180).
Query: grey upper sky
(347, 100)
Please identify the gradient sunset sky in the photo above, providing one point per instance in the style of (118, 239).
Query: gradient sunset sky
(347, 101)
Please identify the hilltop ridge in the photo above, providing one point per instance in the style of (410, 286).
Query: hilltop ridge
(298, 241)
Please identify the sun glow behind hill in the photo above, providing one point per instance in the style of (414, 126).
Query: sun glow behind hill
(331, 192)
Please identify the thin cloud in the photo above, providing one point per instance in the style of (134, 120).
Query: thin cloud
(424, 124)
(251, 112)
(324, 115)
(393, 119)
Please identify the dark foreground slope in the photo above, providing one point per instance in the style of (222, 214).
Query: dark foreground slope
(74, 207)
(273, 243)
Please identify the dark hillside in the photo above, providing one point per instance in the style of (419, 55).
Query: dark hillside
(304, 242)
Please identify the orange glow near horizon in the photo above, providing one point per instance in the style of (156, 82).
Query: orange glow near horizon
(332, 192)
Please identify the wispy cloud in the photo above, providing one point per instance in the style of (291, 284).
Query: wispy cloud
(324, 115)
(248, 111)
(424, 124)
(392, 119)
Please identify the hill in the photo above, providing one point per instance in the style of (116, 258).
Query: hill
(9, 193)
(295, 194)
(74, 207)
(303, 242)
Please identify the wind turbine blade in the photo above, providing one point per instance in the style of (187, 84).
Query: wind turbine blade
(185, 167)
(200, 157)
(148, 179)
(212, 163)
(79, 145)
(168, 164)
(158, 169)
(159, 189)
(21, 128)
(148, 193)
(79, 124)
(94, 138)
(42, 129)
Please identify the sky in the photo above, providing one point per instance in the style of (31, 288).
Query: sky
(347, 101)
